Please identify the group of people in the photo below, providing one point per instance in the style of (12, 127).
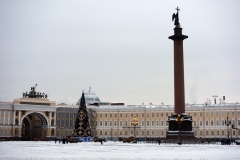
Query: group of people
(63, 140)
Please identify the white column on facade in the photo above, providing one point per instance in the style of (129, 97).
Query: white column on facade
(69, 118)
(3, 117)
(8, 117)
(14, 113)
(19, 113)
(55, 118)
(50, 121)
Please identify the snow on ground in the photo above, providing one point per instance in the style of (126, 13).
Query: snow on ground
(114, 151)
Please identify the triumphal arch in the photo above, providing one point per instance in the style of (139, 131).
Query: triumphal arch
(32, 116)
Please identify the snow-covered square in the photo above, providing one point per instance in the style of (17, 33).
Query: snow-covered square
(115, 150)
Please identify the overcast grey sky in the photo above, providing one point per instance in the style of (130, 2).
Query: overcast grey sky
(120, 48)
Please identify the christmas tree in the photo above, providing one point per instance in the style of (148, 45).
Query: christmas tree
(82, 126)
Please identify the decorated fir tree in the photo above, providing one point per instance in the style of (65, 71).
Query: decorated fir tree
(82, 126)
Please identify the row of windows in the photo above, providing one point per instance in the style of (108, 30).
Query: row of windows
(127, 123)
(67, 115)
(156, 133)
(138, 133)
(10, 121)
(4, 132)
(167, 114)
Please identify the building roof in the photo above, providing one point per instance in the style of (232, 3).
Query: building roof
(90, 98)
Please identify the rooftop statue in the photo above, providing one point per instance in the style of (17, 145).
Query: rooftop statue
(34, 94)
(175, 16)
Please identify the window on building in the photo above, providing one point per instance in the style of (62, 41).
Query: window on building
(120, 132)
(157, 123)
(120, 123)
(161, 123)
(222, 113)
(222, 122)
(206, 122)
(131, 115)
(110, 115)
(188, 114)
(143, 133)
(152, 114)
(105, 115)
(11, 121)
(200, 133)
(234, 133)
(200, 123)
(233, 122)
(96, 124)
(227, 113)
(148, 133)
(100, 115)
(142, 123)
(115, 115)
(142, 114)
(216, 113)
(217, 133)
(207, 133)
(120, 115)
(238, 122)
(211, 122)
(200, 113)
(105, 133)
(167, 123)
(222, 133)
(217, 123)
(194, 114)
(115, 123)
(152, 123)
(239, 113)
(105, 123)
(157, 114)
(162, 132)
(131, 132)
(136, 132)
(212, 133)
(100, 132)
(166, 114)
(152, 133)
(126, 115)
(137, 115)
(125, 132)
(232, 113)
(211, 113)
(206, 113)
(194, 123)
(126, 123)
(161, 114)
(100, 123)
(147, 123)
(110, 122)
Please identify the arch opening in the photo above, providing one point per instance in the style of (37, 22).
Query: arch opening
(34, 126)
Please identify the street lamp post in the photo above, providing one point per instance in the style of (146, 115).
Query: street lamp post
(228, 123)
(179, 120)
(134, 123)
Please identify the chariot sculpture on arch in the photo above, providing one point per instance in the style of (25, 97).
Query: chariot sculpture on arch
(33, 94)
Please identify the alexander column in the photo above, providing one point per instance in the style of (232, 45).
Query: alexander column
(180, 124)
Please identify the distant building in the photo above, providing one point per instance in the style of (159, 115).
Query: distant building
(40, 117)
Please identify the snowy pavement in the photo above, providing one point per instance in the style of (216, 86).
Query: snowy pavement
(114, 151)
